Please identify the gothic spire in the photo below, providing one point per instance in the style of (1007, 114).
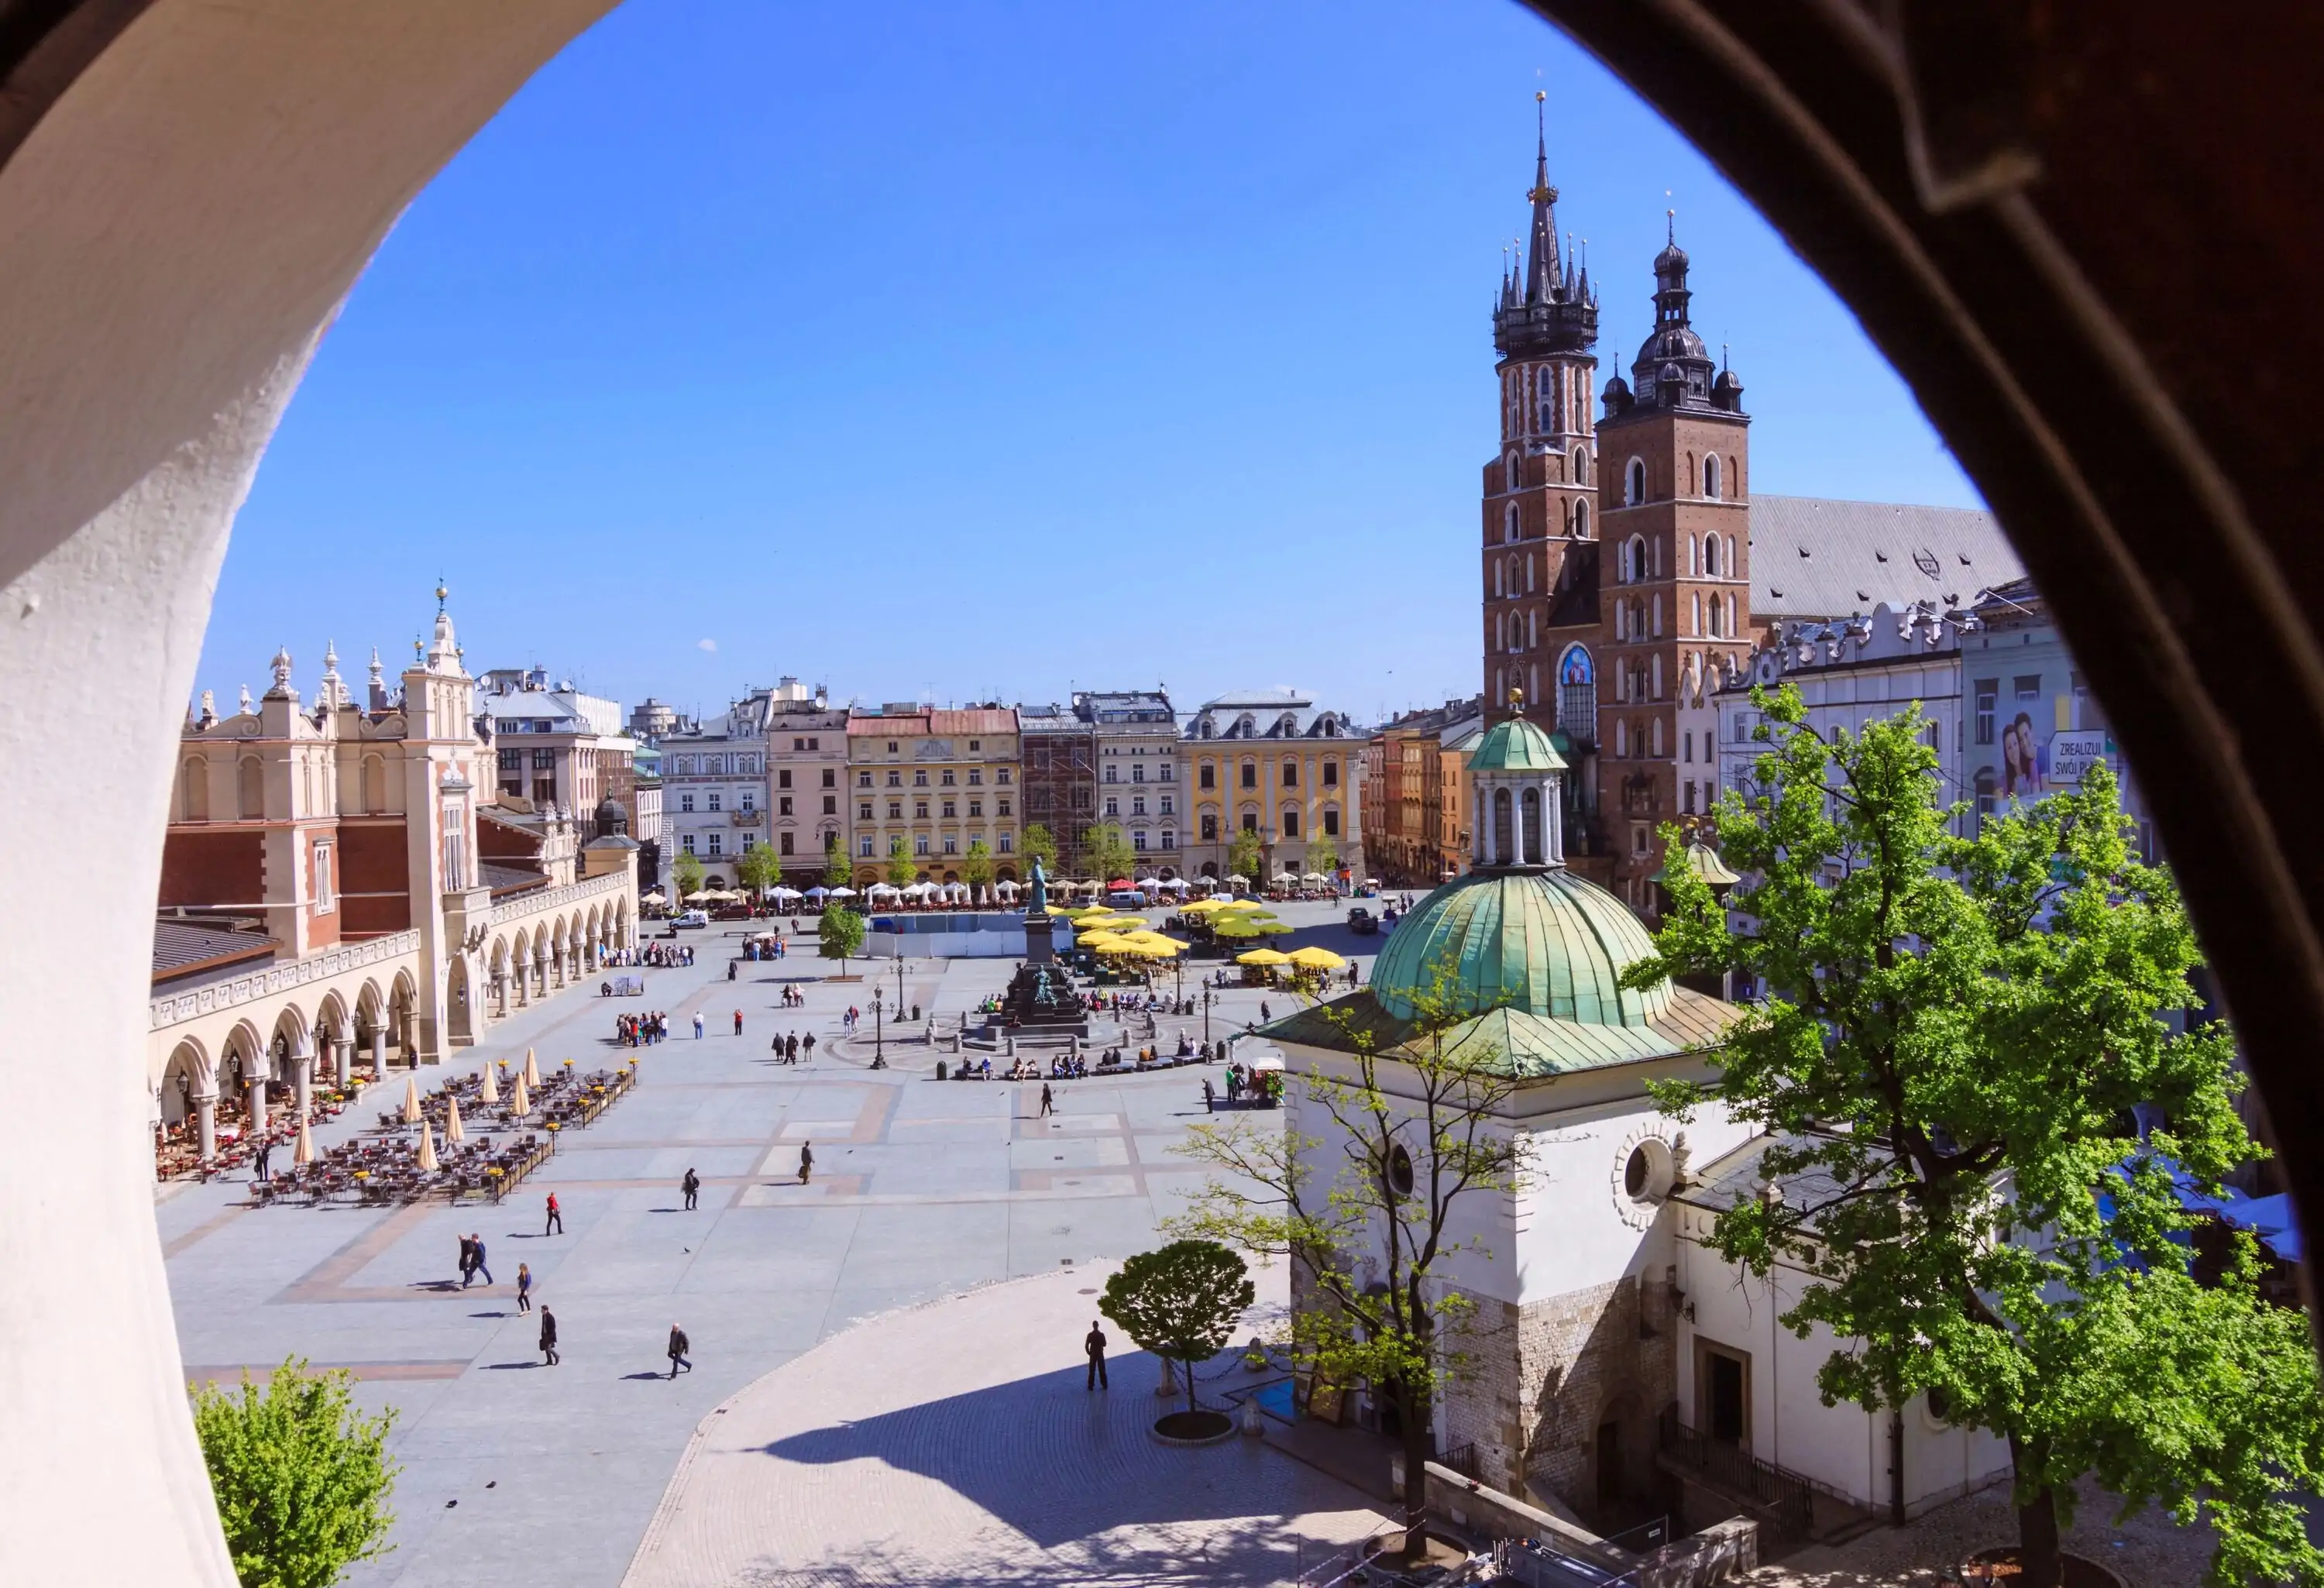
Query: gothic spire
(1541, 264)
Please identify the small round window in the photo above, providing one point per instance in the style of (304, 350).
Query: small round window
(1638, 1173)
(1399, 1171)
(1648, 1172)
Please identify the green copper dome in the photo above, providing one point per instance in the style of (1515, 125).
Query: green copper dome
(1515, 746)
(1543, 943)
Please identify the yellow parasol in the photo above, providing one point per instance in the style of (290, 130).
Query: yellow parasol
(412, 1099)
(452, 1131)
(1314, 958)
(489, 1093)
(520, 1100)
(1263, 957)
(304, 1153)
(427, 1147)
(1102, 943)
(1155, 942)
(531, 1071)
(1164, 949)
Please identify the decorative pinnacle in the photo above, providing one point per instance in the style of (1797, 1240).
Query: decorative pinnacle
(1670, 227)
(442, 591)
(1517, 698)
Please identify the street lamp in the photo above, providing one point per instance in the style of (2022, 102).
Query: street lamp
(899, 979)
(1209, 998)
(879, 1037)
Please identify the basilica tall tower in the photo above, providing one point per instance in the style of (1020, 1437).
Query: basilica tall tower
(1537, 563)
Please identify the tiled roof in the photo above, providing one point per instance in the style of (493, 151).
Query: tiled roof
(181, 947)
(1527, 1045)
(1817, 558)
(509, 878)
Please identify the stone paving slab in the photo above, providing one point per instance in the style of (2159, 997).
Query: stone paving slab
(956, 1443)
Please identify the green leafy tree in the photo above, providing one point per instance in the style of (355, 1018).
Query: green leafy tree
(902, 867)
(686, 870)
(1181, 1302)
(1323, 854)
(301, 1476)
(840, 936)
(1245, 857)
(835, 870)
(1955, 1035)
(761, 868)
(1413, 1135)
(976, 867)
(1041, 845)
(1106, 852)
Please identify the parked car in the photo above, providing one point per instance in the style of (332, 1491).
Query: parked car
(731, 912)
(1361, 923)
(692, 918)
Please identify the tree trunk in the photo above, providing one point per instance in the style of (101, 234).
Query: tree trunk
(1189, 1365)
(2037, 1533)
(1416, 1455)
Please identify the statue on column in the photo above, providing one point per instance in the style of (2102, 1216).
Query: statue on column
(1038, 901)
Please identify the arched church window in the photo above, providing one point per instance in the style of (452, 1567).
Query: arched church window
(250, 788)
(1580, 465)
(1581, 521)
(1634, 485)
(1516, 476)
(1711, 475)
(1509, 532)
(196, 797)
(1504, 833)
(1730, 603)
(1711, 556)
(1697, 627)
(1533, 854)
(1577, 695)
(1497, 578)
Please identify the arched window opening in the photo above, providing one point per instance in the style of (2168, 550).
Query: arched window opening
(1509, 531)
(250, 788)
(1730, 614)
(195, 798)
(1634, 488)
(1711, 475)
(1581, 521)
(1580, 465)
(1497, 579)
(1515, 473)
(1504, 838)
(1697, 627)
(1711, 556)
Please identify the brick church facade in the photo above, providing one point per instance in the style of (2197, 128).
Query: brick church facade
(1615, 567)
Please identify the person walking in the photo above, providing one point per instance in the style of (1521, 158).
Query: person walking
(791, 1047)
(807, 1042)
(467, 1261)
(265, 1154)
(807, 1161)
(556, 1225)
(697, 1025)
(1210, 1096)
(1049, 1101)
(548, 1337)
(738, 1022)
(477, 1245)
(523, 1288)
(1094, 1346)
(692, 1187)
(678, 1346)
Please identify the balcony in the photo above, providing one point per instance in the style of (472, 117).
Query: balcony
(746, 818)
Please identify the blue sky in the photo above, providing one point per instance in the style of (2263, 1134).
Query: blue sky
(992, 351)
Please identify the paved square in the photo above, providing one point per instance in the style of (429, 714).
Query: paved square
(920, 1191)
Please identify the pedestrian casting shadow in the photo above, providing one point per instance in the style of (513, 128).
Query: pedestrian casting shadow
(627, 1377)
(510, 1367)
(1060, 1463)
(439, 1285)
(488, 1314)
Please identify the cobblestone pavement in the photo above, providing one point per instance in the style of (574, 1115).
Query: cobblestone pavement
(2149, 1551)
(957, 1442)
(520, 1474)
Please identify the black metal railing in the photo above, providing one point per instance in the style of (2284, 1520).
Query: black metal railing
(1783, 1500)
(1462, 1459)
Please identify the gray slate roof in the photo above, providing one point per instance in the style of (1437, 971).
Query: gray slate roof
(1861, 553)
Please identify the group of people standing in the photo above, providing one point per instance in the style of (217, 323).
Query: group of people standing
(787, 1047)
(641, 1030)
(663, 955)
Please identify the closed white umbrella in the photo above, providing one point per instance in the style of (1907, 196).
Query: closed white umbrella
(427, 1147)
(489, 1093)
(410, 1100)
(520, 1100)
(842, 893)
(304, 1153)
(531, 1070)
(452, 1131)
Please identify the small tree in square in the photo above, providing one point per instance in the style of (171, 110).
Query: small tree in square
(1414, 1131)
(1245, 855)
(1956, 1035)
(976, 868)
(686, 872)
(759, 869)
(902, 867)
(1323, 854)
(301, 1476)
(839, 935)
(1181, 1302)
(1106, 852)
(835, 870)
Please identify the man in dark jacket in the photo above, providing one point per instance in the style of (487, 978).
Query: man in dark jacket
(467, 1261)
(807, 1161)
(692, 1187)
(548, 1337)
(1093, 1344)
(678, 1346)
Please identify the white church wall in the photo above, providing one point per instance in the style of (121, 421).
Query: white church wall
(1842, 1447)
